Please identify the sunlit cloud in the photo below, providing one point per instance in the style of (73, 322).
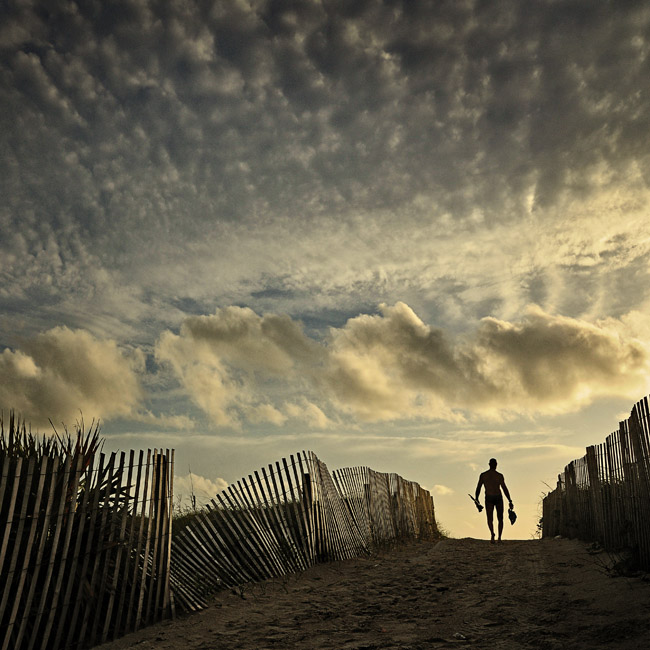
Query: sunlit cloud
(62, 374)
(391, 366)
(196, 490)
(222, 361)
(442, 490)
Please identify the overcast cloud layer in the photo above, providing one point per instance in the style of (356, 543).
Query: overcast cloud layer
(260, 216)
(160, 158)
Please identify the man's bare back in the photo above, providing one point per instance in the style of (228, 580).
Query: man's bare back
(492, 480)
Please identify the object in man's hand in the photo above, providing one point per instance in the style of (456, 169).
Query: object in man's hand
(476, 503)
(512, 515)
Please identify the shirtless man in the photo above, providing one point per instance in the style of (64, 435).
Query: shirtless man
(493, 482)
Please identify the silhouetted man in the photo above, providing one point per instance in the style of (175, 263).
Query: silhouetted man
(494, 483)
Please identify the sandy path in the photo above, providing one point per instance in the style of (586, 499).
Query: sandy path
(547, 594)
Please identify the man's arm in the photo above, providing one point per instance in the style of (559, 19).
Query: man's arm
(505, 490)
(478, 487)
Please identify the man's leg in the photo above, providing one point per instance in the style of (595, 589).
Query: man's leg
(500, 518)
(489, 513)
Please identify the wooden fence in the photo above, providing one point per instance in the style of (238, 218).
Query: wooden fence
(605, 496)
(84, 547)
(289, 516)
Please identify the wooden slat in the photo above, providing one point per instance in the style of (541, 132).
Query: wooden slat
(304, 517)
(121, 541)
(4, 479)
(110, 546)
(22, 483)
(199, 557)
(52, 473)
(71, 502)
(208, 529)
(97, 550)
(168, 600)
(40, 473)
(78, 560)
(37, 636)
(308, 503)
(271, 499)
(334, 540)
(85, 598)
(235, 529)
(263, 527)
(136, 576)
(292, 516)
(163, 523)
(9, 576)
(283, 516)
(214, 550)
(15, 481)
(157, 497)
(347, 533)
(252, 534)
(132, 523)
(298, 531)
(142, 576)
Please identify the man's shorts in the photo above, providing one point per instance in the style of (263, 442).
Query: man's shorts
(494, 499)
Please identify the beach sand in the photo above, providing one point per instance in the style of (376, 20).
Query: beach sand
(542, 594)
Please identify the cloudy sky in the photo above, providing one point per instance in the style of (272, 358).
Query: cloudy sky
(409, 235)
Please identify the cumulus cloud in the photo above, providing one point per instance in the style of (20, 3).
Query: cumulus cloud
(222, 360)
(61, 372)
(309, 413)
(558, 362)
(203, 489)
(392, 365)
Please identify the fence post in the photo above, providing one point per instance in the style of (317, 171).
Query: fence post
(595, 494)
(642, 486)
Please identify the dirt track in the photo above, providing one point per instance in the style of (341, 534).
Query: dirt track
(547, 594)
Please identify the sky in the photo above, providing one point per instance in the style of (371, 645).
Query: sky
(406, 235)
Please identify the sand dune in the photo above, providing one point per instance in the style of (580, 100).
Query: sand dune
(542, 594)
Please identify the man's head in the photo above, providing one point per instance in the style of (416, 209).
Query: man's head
(493, 463)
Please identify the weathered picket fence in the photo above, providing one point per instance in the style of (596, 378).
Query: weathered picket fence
(86, 549)
(605, 496)
(85, 543)
(289, 516)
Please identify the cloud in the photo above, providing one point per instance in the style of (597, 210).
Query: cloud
(559, 362)
(392, 365)
(201, 487)
(462, 158)
(389, 366)
(246, 147)
(303, 111)
(309, 413)
(442, 490)
(266, 413)
(166, 421)
(61, 372)
(222, 360)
